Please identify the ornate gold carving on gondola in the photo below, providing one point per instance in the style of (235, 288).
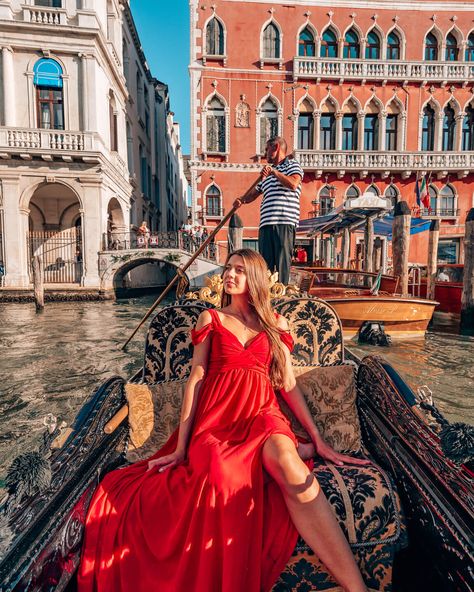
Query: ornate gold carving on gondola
(212, 291)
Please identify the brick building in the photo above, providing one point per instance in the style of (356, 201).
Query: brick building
(367, 95)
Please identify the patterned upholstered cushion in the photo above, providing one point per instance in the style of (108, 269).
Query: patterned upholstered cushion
(368, 511)
(330, 393)
(154, 412)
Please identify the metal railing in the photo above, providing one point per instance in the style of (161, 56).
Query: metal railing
(354, 69)
(213, 212)
(60, 252)
(177, 239)
(448, 212)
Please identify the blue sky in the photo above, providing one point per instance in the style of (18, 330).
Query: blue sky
(163, 28)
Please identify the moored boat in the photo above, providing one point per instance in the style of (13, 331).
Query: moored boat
(43, 517)
(362, 298)
(448, 288)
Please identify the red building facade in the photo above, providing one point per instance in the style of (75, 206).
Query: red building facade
(367, 96)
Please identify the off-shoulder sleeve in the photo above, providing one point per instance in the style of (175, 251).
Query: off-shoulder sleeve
(287, 340)
(198, 335)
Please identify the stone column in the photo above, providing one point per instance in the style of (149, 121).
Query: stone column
(438, 138)
(401, 140)
(92, 231)
(317, 130)
(382, 129)
(339, 116)
(90, 93)
(360, 130)
(458, 129)
(84, 88)
(9, 115)
(15, 227)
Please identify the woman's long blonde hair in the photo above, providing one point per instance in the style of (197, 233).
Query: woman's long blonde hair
(258, 283)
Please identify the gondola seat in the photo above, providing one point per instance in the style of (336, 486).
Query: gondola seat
(364, 499)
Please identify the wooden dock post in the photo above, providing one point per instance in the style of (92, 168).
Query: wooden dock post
(368, 244)
(235, 233)
(467, 301)
(346, 248)
(401, 244)
(432, 259)
(377, 254)
(38, 282)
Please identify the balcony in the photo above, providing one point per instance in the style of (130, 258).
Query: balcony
(42, 15)
(439, 213)
(347, 69)
(403, 163)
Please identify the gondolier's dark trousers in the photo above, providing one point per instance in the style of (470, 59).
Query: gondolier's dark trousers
(276, 243)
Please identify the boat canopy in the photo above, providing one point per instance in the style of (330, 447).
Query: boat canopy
(354, 219)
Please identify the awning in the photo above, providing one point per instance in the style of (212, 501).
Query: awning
(336, 222)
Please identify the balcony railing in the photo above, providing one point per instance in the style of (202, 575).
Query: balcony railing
(304, 67)
(42, 15)
(385, 161)
(42, 139)
(213, 212)
(439, 212)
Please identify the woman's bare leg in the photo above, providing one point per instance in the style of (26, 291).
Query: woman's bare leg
(310, 511)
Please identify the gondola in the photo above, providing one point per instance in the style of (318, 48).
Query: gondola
(408, 516)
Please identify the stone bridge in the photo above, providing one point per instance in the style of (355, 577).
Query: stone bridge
(115, 264)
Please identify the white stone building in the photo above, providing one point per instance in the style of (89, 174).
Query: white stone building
(72, 122)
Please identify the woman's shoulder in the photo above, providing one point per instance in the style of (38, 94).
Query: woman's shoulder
(282, 323)
(204, 319)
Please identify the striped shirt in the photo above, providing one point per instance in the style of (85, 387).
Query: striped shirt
(280, 205)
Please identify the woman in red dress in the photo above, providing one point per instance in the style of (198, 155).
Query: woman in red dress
(219, 507)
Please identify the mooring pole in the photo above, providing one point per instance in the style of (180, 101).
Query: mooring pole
(467, 302)
(368, 244)
(377, 254)
(432, 259)
(38, 282)
(346, 248)
(401, 244)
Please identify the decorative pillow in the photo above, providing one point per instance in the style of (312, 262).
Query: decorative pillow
(153, 415)
(330, 393)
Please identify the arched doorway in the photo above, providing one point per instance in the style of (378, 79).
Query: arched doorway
(55, 233)
(117, 235)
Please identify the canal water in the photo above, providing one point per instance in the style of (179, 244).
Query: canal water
(51, 363)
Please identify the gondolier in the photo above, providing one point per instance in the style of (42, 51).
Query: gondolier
(280, 208)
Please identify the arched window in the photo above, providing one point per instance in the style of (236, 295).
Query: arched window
(433, 193)
(327, 137)
(306, 126)
(372, 49)
(428, 129)
(48, 80)
(373, 189)
(268, 123)
(431, 48)
(468, 129)
(351, 45)
(449, 128)
(271, 41)
(352, 191)
(350, 127)
(446, 201)
(470, 48)
(326, 200)
(329, 44)
(391, 132)
(214, 37)
(371, 131)
(392, 194)
(452, 49)
(216, 126)
(113, 122)
(393, 46)
(306, 45)
(213, 201)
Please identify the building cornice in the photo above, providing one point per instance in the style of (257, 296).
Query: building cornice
(419, 5)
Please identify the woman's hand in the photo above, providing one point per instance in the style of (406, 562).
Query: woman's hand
(167, 462)
(328, 453)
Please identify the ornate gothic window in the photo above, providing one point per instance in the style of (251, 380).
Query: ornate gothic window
(431, 48)
(449, 128)
(214, 37)
(328, 131)
(48, 82)
(351, 45)
(391, 132)
(452, 49)
(428, 129)
(306, 126)
(352, 191)
(326, 200)
(306, 45)
(268, 123)
(392, 194)
(216, 126)
(470, 48)
(329, 44)
(349, 131)
(433, 193)
(372, 49)
(393, 46)
(468, 129)
(446, 201)
(271, 41)
(373, 189)
(213, 201)
(371, 132)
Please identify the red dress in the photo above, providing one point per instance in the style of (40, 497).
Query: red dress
(213, 523)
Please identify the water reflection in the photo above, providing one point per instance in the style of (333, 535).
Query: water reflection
(52, 362)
